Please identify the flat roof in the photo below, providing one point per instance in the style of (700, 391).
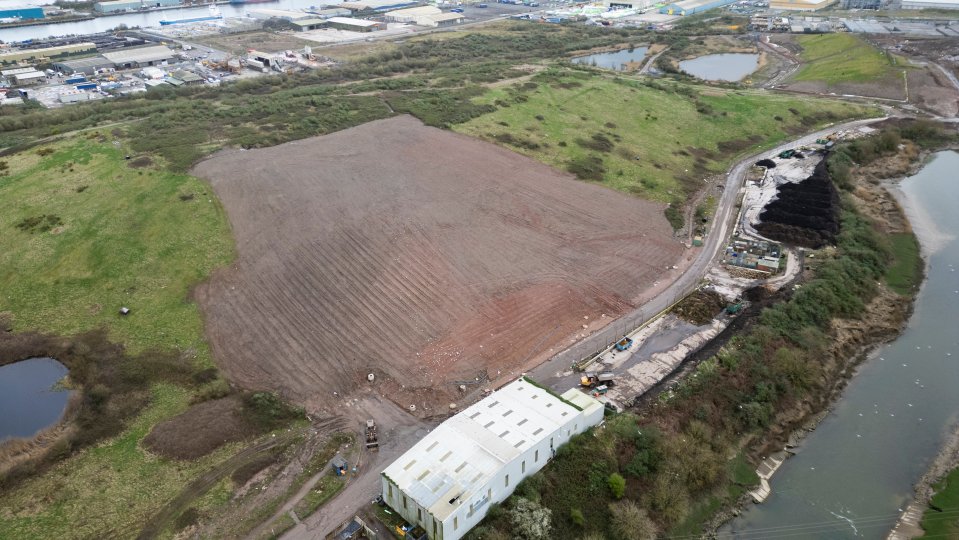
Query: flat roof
(308, 22)
(30, 75)
(376, 4)
(153, 53)
(353, 22)
(447, 17)
(81, 63)
(421, 10)
(466, 451)
(17, 71)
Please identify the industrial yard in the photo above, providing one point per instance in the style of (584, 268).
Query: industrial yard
(425, 258)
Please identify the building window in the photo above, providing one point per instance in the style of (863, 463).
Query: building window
(434, 528)
(536, 456)
(419, 514)
(404, 502)
(507, 480)
(524, 466)
(456, 523)
(389, 488)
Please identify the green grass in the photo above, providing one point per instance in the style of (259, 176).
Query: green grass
(323, 491)
(905, 272)
(126, 239)
(839, 58)
(947, 500)
(106, 491)
(658, 144)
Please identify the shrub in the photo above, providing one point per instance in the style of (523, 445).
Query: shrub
(587, 168)
(630, 522)
(617, 484)
(530, 520)
(576, 516)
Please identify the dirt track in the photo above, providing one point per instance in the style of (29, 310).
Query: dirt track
(417, 254)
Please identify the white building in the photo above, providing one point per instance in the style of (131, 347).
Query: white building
(447, 481)
(930, 4)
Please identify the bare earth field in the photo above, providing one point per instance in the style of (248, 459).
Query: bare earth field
(417, 254)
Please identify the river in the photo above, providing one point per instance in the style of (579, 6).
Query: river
(856, 471)
(144, 19)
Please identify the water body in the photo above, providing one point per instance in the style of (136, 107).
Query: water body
(144, 19)
(28, 401)
(721, 67)
(855, 472)
(613, 60)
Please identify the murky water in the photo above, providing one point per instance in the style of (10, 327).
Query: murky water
(721, 67)
(28, 400)
(613, 60)
(855, 472)
(145, 19)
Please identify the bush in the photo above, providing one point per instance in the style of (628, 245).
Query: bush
(617, 484)
(587, 168)
(576, 516)
(530, 520)
(630, 522)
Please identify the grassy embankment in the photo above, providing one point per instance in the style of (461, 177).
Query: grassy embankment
(942, 522)
(905, 273)
(839, 58)
(683, 456)
(656, 140)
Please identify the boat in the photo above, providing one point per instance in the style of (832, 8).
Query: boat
(214, 15)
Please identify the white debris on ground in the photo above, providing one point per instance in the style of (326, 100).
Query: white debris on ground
(333, 35)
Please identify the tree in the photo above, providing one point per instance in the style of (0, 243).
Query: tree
(630, 522)
(530, 520)
(617, 484)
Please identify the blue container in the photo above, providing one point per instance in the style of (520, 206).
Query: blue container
(77, 79)
(87, 86)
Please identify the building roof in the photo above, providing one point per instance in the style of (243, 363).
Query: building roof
(30, 75)
(465, 452)
(17, 71)
(360, 5)
(352, 22)
(83, 63)
(447, 17)
(139, 55)
(309, 22)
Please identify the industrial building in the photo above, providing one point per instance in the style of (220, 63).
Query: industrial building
(24, 13)
(87, 66)
(690, 7)
(443, 19)
(628, 4)
(376, 5)
(409, 15)
(355, 25)
(930, 4)
(800, 5)
(44, 53)
(139, 56)
(25, 76)
(114, 6)
(448, 480)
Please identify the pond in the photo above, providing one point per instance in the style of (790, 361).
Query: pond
(613, 60)
(730, 67)
(854, 473)
(28, 400)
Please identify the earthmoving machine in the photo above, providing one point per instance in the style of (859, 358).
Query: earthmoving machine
(593, 380)
(372, 441)
(624, 344)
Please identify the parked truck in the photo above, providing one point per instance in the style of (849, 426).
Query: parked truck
(592, 380)
(372, 441)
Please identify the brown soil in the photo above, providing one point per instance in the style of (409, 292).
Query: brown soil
(140, 162)
(700, 307)
(416, 254)
(201, 429)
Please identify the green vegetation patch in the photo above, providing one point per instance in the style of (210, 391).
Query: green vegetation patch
(657, 140)
(84, 235)
(838, 58)
(905, 273)
(940, 520)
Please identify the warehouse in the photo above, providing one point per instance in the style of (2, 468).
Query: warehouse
(284, 14)
(449, 479)
(29, 12)
(409, 15)
(689, 7)
(139, 56)
(115, 6)
(355, 25)
(376, 5)
(800, 5)
(443, 19)
(25, 76)
(628, 4)
(309, 24)
(930, 4)
(45, 52)
(87, 66)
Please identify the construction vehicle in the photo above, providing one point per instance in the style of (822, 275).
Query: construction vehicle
(624, 344)
(786, 154)
(592, 380)
(372, 442)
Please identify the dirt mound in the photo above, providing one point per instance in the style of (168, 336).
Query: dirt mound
(416, 254)
(201, 429)
(140, 162)
(700, 307)
(804, 213)
(767, 163)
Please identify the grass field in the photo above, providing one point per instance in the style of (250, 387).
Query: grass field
(905, 273)
(658, 142)
(121, 236)
(838, 58)
(943, 524)
(84, 232)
